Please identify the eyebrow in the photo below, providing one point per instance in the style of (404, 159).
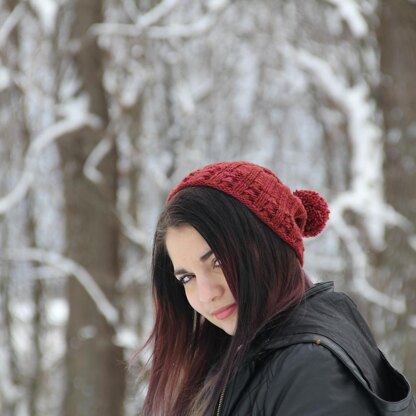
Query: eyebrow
(203, 258)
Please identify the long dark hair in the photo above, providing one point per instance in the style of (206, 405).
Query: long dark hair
(192, 359)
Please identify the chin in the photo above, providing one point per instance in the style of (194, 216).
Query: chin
(229, 329)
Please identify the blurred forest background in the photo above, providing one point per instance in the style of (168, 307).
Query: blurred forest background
(106, 104)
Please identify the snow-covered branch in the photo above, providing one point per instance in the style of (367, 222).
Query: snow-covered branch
(47, 11)
(116, 29)
(158, 12)
(361, 267)
(130, 228)
(366, 194)
(412, 241)
(45, 138)
(94, 159)
(147, 23)
(5, 78)
(412, 321)
(70, 268)
(142, 23)
(132, 231)
(197, 28)
(11, 393)
(10, 23)
(350, 12)
(131, 9)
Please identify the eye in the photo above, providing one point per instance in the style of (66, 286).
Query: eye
(183, 280)
(216, 263)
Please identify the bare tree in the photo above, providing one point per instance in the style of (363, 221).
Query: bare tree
(134, 94)
(94, 364)
(397, 100)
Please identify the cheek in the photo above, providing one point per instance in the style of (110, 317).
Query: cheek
(226, 286)
(192, 298)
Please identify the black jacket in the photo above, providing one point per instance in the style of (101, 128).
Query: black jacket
(318, 360)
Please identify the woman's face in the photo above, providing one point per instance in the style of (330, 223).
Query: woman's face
(196, 267)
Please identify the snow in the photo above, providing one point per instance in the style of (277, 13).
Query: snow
(197, 28)
(143, 21)
(148, 22)
(5, 79)
(184, 98)
(87, 332)
(10, 23)
(73, 107)
(396, 304)
(47, 11)
(216, 5)
(48, 204)
(45, 138)
(23, 311)
(54, 342)
(412, 321)
(126, 338)
(94, 159)
(57, 311)
(116, 29)
(71, 268)
(188, 83)
(247, 82)
(365, 195)
(349, 10)
(156, 13)
(132, 230)
(10, 392)
(412, 241)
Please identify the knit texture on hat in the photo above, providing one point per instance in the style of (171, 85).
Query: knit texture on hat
(290, 215)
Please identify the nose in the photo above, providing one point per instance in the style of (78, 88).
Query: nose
(208, 288)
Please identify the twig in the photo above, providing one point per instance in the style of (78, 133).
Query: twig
(48, 136)
(70, 268)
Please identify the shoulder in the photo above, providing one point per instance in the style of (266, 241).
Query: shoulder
(304, 359)
(301, 357)
(307, 378)
(304, 378)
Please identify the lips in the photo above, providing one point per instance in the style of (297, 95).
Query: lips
(224, 312)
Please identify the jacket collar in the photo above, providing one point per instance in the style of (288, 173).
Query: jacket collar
(319, 288)
(263, 342)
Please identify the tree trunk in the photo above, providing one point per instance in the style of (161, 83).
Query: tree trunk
(397, 40)
(95, 368)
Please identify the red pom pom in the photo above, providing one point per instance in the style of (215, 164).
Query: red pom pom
(317, 212)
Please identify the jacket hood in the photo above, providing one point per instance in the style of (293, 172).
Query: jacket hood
(332, 318)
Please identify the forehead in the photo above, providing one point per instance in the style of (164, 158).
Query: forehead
(184, 242)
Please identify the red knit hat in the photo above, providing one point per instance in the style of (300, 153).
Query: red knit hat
(290, 215)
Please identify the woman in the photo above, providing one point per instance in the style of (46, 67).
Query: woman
(239, 327)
